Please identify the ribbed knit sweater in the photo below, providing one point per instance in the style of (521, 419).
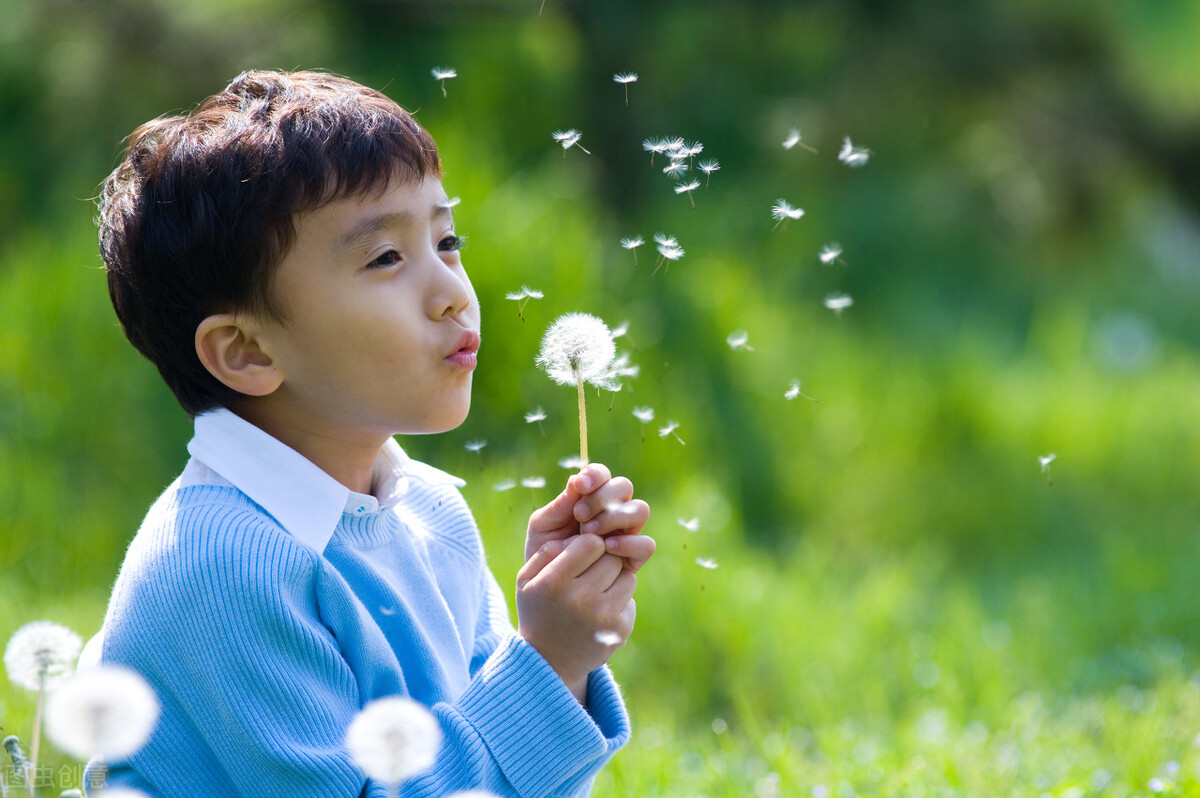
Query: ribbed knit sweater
(261, 650)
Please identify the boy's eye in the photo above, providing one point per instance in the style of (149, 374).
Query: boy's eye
(452, 243)
(389, 258)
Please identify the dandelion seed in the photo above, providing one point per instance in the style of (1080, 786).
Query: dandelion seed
(1045, 460)
(794, 390)
(393, 739)
(688, 188)
(578, 348)
(838, 302)
(668, 250)
(534, 483)
(831, 252)
(569, 139)
(450, 203)
(793, 139)
(708, 167)
(646, 415)
(522, 297)
(655, 147)
(632, 245)
(620, 330)
(442, 74)
(475, 446)
(783, 210)
(106, 711)
(669, 429)
(571, 463)
(675, 168)
(608, 638)
(739, 339)
(505, 485)
(852, 156)
(706, 563)
(690, 524)
(625, 78)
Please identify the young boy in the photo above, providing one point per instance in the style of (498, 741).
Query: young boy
(286, 256)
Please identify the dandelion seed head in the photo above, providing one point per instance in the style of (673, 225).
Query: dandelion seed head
(838, 302)
(739, 339)
(625, 77)
(644, 414)
(690, 524)
(535, 415)
(444, 73)
(393, 739)
(782, 209)
(504, 485)
(830, 252)
(41, 653)
(686, 187)
(577, 346)
(533, 482)
(475, 446)
(107, 711)
(705, 562)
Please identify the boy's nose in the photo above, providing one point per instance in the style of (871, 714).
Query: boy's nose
(454, 293)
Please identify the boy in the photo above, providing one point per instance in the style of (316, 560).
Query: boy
(285, 255)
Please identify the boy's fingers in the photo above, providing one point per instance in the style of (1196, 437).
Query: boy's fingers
(538, 561)
(616, 491)
(592, 476)
(627, 516)
(605, 571)
(578, 554)
(635, 549)
(558, 513)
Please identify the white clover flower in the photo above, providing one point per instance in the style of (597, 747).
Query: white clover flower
(830, 252)
(708, 167)
(669, 429)
(852, 156)
(690, 524)
(644, 414)
(838, 302)
(41, 654)
(625, 78)
(533, 482)
(443, 74)
(577, 348)
(569, 139)
(739, 339)
(393, 739)
(782, 210)
(705, 562)
(106, 711)
(794, 138)
(794, 390)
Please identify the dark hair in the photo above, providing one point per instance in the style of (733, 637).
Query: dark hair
(201, 210)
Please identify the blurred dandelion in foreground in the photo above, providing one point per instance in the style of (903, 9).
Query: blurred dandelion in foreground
(708, 167)
(739, 339)
(782, 211)
(632, 245)
(569, 139)
(393, 739)
(669, 429)
(578, 348)
(1045, 460)
(39, 656)
(106, 711)
(625, 78)
(522, 297)
(442, 74)
(706, 563)
(830, 253)
(537, 416)
(794, 139)
(794, 390)
(688, 188)
(838, 302)
(852, 156)
(533, 482)
(690, 524)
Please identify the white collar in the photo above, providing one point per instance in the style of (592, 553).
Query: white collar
(305, 500)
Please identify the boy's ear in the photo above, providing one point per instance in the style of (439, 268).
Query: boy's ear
(229, 348)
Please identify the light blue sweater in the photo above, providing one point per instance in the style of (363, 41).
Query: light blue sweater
(262, 649)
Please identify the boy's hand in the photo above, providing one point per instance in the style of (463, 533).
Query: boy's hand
(597, 503)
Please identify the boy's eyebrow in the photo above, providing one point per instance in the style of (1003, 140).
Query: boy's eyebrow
(370, 225)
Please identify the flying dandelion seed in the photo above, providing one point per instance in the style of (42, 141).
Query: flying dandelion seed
(669, 429)
(571, 462)
(706, 563)
(782, 210)
(794, 390)
(852, 156)
(708, 167)
(450, 203)
(475, 446)
(668, 250)
(504, 485)
(793, 139)
(675, 168)
(393, 739)
(442, 74)
(831, 252)
(625, 78)
(655, 147)
(690, 524)
(522, 297)
(838, 302)
(1045, 460)
(578, 348)
(688, 188)
(632, 245)
(739, 339)
(620, 330)
(533, 483)
(608, 638)
(537, 416)
(569, 139)
(105, 711)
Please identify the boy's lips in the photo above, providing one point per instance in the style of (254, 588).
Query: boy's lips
(464, 356)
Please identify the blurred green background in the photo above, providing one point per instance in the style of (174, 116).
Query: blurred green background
(904, 603)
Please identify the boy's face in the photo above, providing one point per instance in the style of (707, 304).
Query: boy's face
(382, 319)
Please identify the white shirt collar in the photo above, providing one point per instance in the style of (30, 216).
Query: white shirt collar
(305, 500)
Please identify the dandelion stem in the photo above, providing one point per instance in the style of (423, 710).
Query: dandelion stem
(583, 449)
(35, 736)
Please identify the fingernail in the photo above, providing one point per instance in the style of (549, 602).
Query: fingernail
(589, 528)
(585, 482)
(611, 543)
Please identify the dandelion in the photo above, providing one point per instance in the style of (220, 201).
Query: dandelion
(688, 188)
(669, 429)
(504, 485)
(107, 711)
(537, 416)
(625, 78)
(393, 739)
(690, 524)
(739, 339)
(522, 297)
(578, 348)
(852, 156)
(442, 74)
(569, 139)
(838, 302)
(794, 390)
(706, 563)
(632, 245)
(831, 252)
(39, 656)
(534, 483)
(1045, 460)
(782, 210)
(708, 167)
(793, 139)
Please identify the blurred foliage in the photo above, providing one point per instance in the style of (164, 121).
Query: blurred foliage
(1022, 254)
